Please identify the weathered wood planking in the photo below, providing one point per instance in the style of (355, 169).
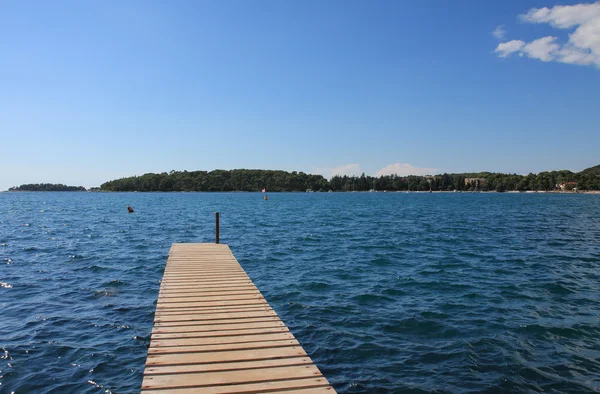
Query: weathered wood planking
(214, 333)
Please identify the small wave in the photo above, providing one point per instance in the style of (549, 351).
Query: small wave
(5, 285)
(381, 261)
(371, 298)
(96, 268)
(99, 386)
(434, 315)
(120, 326)
(578, 331)
(441, 357)
(414, 326)
(428, 272)
(321, 286)
(113, 283)
(105, 293)
(557, 288)
(393, 292)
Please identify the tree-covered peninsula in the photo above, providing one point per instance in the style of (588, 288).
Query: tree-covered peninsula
(47, 187)
(219, 181)
(255, 180)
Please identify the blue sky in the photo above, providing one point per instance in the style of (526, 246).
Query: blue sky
(92, 91)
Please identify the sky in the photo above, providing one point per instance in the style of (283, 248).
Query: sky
(97, 90)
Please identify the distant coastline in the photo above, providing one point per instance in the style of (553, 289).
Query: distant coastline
(243, 180)
(274, 181)
(47, 187)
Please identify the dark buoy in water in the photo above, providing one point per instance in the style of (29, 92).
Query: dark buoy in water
(130, 209)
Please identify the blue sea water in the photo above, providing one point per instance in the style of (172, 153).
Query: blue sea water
(387, 292)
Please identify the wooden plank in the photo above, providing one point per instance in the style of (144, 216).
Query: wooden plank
(214, 333)
(198, 301)
(202, 278)
(206, 269)
(313, 390)
(227, 304)
(210, 262)
(207, 289)
(208, 292)
(229, 377)
(191, 316)
(207, 282)
(222, 347)
(207, 273)
(203, 311)
(212, 274)
(263, 387)
(170, 305)
(210, 297)
(168, 297)
(169, 288)
(212, 322)
(210, 308)
(233, 266)
(224, 265)
(278, 362)
(181, 280)
(214, 286)
(220, 327)
(216, 260)
(211, 287)
(221, 339)
(224, 356)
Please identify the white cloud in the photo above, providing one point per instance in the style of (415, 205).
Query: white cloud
(573, 55)
(583, 45)
(348, 169)
(563, 16)
(404, 169)
(543, 49)
(499, 32)
(506, 48)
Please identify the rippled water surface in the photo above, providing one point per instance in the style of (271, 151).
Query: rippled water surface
(388, 292)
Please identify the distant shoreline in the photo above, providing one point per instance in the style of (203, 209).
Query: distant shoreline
(355, 191)
(244, 180)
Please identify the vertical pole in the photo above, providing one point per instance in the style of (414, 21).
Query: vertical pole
(216, 227)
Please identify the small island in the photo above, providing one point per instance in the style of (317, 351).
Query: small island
(46, 187)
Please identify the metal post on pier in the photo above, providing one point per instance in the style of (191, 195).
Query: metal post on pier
(216, 227)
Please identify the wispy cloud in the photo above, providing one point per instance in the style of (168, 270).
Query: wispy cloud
(583, 45)
(506, 48)
(542, 49)
(348, 169)
(499, 32)
(405, 169)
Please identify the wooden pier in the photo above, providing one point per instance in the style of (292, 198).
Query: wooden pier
(215, 333)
